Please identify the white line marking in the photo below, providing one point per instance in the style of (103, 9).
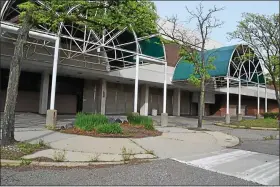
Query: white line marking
(212, 161)
(263, 174)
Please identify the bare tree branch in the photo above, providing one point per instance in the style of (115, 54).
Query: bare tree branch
(192, 45)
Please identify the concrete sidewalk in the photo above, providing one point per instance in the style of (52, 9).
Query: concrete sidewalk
(174, 142)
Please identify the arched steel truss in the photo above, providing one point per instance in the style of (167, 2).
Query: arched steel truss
(83, 46)
(245, 67)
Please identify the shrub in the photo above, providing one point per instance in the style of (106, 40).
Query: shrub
(59, 156)
(146, 121)
(126, 154)
(25, 162)
(113, 128)
(88, 122)
(271, 115)
(28, 148)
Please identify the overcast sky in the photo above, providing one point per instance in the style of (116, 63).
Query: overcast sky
(231, 15)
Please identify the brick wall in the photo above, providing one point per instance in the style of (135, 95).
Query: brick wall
(250, 103)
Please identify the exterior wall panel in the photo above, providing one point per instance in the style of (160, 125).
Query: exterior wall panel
(26, 101)
(185, 103)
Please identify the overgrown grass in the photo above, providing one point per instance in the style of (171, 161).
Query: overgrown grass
(113, 128)
(59, 156)
(88, 122)
(266, 123)
(16, 151)
(271, 115)
(98, 122)
(270, 137)
(126, 154)
(146, 121)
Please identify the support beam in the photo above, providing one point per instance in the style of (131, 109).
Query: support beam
(103, 96)
(258, 112)
(52, 113)
(164, 115)
(144, 100)
(164, 88)
(265, 99)
(54, 73)
(227, 112)
(239, 115)
(136, 84)
(177, 102)
(44, 93)
(11, 28)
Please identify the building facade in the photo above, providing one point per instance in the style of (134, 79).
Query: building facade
(99, 77)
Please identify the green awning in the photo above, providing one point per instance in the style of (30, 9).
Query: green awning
(152, 47)
(222, 60)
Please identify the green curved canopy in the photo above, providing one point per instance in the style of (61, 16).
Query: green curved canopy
(152, 47)
(222, 58)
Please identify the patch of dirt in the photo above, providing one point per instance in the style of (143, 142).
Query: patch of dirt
(93, 166)
(43, 159)
(14, 152)
(129, 131)
(197, 129)
(11, 154)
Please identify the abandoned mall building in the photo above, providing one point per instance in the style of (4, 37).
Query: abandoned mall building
(119, 72)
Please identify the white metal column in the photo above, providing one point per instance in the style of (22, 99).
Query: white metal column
(265, 99)
(164, 88)
(258, 100)
(54, 73)
(227, 112)
(239, 97)
(136, 83)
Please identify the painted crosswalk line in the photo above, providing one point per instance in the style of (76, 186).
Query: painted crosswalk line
(247, 165)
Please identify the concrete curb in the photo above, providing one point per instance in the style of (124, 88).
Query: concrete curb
(61, 164)
(243, 127)
(223, 139)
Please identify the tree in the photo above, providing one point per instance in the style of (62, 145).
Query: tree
(261, 32)
(141, 15)
(192, 47)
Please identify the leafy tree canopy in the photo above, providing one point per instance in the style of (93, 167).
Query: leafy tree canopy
(262, 33)
(96, 15)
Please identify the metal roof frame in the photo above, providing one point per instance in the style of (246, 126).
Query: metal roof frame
(92, 45)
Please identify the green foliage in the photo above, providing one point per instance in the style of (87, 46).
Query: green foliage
(95, 158)
(141, 15)
(126, 154)
(50, 127)
(28, 148)
(270, 137)
(262, 33)
(202, 64)
(98, 122)
(59, 156)
(88, 122)
(271, 115)
(20, 149)
(113, 128)
(146, 121)
(25, 162)
(266, 123)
